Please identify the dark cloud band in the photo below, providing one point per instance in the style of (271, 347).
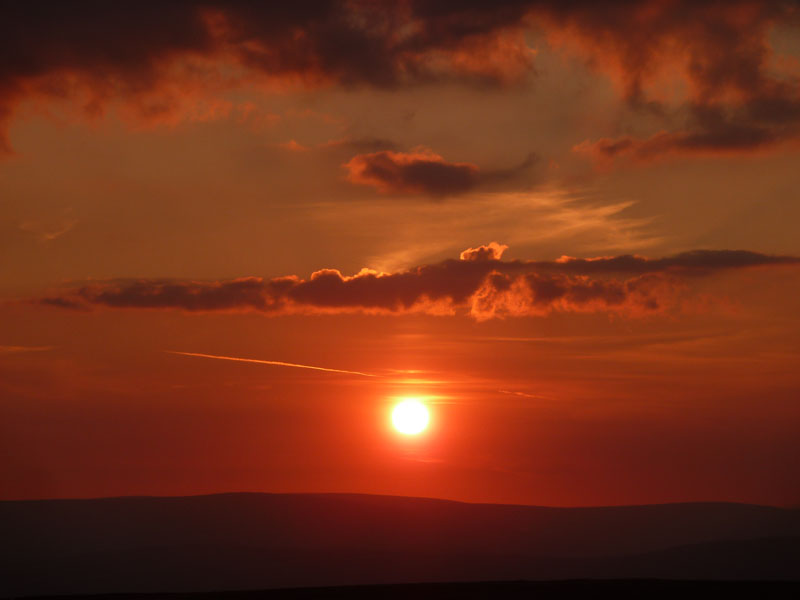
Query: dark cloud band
(96, 51)
(479, 283)
(424, 172)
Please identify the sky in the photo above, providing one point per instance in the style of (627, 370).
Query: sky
(568, 228)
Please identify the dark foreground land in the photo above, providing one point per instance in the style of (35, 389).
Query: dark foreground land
(502, 590)
(270, 541)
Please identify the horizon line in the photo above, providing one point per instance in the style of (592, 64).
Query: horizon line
(399, 496)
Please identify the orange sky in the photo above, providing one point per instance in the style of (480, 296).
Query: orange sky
(408, 197)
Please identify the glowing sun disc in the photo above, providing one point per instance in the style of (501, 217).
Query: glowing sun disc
(410, 417)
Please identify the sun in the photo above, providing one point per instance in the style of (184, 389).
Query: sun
(410, 417)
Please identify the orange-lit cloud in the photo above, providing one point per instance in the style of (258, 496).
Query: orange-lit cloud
(708, 66)
(23, 349)
(157, 59)
(733, 140)
(422, 171)
(294, 146)
(490, 251)
(479, 284)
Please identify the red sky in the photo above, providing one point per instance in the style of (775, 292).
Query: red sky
(569, 228)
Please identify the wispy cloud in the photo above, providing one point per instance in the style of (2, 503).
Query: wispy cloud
(541, 222)
(276, 363)
(21, 349)
(45, 232)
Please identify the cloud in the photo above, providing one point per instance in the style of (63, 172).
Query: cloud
(730, 140)
(343, 145)
(422, 171)
(694, 262)
(708, 65)
(490, 251)
(23, 349)
(418, 172)
(359, 144)
(63, 302)
(479, 284)
(294, 146)
(47, 232)
(540, 222)
(160, 59)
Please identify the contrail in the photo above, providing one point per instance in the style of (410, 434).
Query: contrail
(271, 362)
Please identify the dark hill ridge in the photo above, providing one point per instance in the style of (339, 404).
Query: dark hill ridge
(247, 541)
(633, 589)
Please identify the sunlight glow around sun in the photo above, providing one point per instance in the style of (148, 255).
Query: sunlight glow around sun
(410, 416)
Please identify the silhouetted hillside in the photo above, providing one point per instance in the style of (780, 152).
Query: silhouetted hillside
(251, 541)
(633, 589)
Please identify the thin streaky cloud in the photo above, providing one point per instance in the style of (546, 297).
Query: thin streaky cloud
(276, 363)
(20, 349)
(48, 232)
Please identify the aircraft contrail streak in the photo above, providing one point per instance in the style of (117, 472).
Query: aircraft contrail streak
(277, 363)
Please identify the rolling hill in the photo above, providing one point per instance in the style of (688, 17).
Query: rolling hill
(252, 541)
